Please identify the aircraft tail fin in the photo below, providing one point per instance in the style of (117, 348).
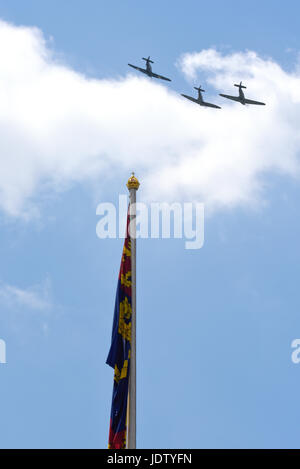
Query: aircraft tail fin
(148, 60)
(241, 86)
(199, 89)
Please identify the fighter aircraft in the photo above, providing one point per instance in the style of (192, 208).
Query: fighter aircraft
(241, 98)
(148, 70)
(200, 99)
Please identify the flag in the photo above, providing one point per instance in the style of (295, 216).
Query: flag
(119, 354)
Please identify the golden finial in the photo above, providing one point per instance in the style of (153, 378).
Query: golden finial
(133, 183)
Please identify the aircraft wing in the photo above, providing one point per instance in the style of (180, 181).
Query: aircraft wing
(233, 98)
(210, 105)
(139, 69)
(250, 101)
(154, 75)
(190, 98)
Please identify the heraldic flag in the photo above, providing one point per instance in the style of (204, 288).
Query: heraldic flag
(119, 354)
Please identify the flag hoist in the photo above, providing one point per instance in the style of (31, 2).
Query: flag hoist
(122, 354)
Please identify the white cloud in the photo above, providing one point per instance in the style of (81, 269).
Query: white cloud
(36, 298)
(57, 127)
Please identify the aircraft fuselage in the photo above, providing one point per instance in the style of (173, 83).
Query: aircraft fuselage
(200, 97)
(149, 68)
(242, 96)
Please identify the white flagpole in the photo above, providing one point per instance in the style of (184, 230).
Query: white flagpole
(133, 185)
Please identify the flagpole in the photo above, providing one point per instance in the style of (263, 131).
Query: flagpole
(133, 185)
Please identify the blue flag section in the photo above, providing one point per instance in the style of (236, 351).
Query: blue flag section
(119, 354)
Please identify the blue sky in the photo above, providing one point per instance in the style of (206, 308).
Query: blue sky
(215, 326)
